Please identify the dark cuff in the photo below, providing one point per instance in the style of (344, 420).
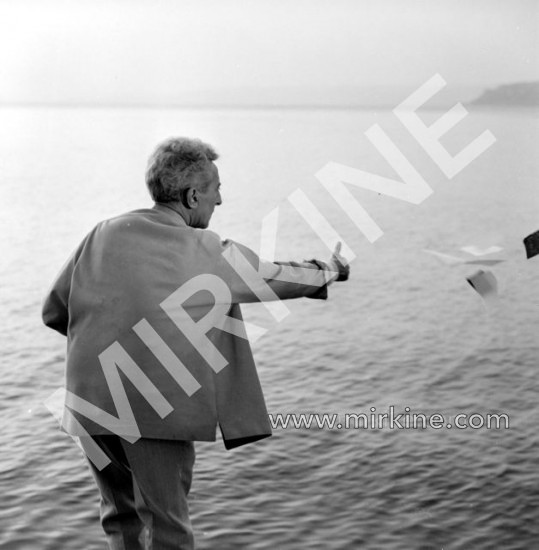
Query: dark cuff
(321, 293)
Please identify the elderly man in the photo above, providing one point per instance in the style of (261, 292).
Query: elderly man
(153, 295)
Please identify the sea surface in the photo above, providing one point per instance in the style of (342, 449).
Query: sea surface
(406, 330)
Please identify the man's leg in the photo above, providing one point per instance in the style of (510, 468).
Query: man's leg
(119, 517)
(162, 471)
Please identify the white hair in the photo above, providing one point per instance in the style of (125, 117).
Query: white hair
(171, 165)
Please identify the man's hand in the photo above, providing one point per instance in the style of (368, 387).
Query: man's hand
(339, 263)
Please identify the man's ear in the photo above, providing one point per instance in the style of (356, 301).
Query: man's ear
(190, 198)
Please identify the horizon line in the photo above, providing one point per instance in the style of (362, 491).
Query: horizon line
(245, 106)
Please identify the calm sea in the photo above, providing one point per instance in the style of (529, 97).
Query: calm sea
(407, 330)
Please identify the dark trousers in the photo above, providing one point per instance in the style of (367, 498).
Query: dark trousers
(144, 493)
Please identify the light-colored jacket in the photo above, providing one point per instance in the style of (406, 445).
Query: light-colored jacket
(119, 300)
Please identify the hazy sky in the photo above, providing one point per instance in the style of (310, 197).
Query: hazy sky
(157, 50)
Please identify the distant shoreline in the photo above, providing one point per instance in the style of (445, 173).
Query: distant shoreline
(522, 95)
(149, 107)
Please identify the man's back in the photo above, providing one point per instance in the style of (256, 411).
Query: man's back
(117, 287)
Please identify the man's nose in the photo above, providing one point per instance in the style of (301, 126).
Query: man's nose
(219, 200)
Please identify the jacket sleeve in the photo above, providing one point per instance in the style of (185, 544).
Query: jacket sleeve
(55, 310)
(252, 279)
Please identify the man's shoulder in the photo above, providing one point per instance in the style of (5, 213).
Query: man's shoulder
(135, 217)
(155, 223)
(140, 213)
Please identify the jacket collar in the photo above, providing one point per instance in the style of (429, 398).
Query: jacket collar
(173, 215)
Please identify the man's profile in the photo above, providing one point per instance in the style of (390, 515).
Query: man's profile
(157, 353)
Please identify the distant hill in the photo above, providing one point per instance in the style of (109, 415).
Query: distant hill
(521, 94)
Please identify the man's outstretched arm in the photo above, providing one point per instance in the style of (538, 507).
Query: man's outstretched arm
(252, 279)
